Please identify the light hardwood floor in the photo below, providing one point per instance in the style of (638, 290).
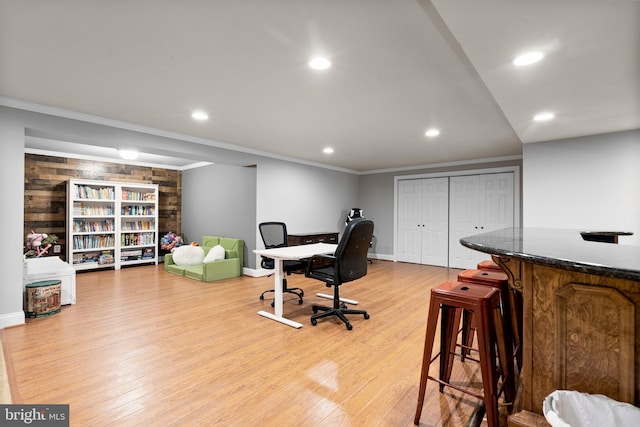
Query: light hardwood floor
(143, 347)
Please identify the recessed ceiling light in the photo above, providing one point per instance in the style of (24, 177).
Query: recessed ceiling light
(528, 58)
(199, 115)
(128, 154)
(327, 150)
(319, 63)
(433, 132)
(543, 117)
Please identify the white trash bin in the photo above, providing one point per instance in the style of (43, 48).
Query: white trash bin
(565, 408)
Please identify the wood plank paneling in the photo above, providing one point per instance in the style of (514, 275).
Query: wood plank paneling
(45, 193)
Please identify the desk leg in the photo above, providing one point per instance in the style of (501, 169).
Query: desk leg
(277, 300)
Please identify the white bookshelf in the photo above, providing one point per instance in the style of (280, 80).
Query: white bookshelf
(111, 224)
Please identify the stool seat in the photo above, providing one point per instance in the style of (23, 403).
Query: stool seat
(489, 265)
(448, 300)
(490, 277)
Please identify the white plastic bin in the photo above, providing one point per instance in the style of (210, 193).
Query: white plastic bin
(565, 408)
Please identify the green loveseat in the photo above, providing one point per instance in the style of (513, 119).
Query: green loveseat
(230, 266)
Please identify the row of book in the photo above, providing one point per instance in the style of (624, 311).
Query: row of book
(137, 239)
(93, 241)
(84, 226)
(88, 192)
(137, 254)
(106, 257)
(138, 210)
(98, 257)
(83, 209)
(138, 225)
(138, 195)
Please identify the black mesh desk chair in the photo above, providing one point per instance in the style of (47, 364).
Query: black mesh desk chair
(274, 235)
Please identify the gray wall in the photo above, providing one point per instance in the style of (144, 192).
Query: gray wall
(232, 201)
(220, 200)
(587, 183)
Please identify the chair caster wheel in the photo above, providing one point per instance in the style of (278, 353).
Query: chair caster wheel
(349, 327)
(273, 304)
(261, 297)
(314, 322)
(299, 302)
(315, 310)
(366, 316)
(301, 293)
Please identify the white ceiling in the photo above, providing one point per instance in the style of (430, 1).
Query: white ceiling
(399, 67)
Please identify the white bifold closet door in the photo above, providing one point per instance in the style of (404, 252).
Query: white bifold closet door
(423, 221)
(478, 204)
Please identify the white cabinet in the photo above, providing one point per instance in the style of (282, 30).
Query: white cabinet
(52, 268)
(423, 221)
(111, 224)
(478, 203)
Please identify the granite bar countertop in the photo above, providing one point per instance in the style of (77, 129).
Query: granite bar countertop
(560, 248)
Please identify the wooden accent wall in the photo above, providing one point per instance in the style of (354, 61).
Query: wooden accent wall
(45, 191)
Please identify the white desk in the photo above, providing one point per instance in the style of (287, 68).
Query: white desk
(289, 253)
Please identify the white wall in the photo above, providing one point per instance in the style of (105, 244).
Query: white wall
(587, 183)
(306, 198)
(12, 183)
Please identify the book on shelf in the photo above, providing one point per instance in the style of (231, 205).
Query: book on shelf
(138, 195)
(148, 253)
(86, 258)
(106, 257)
(131, 253)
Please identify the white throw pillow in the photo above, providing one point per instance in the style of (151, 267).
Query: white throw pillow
(215, 253)
(188, 255)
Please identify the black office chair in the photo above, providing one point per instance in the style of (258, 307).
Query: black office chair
(356, 213)
(348, 263)
(274, 235)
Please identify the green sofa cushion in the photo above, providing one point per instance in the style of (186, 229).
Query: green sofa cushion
(226, 268)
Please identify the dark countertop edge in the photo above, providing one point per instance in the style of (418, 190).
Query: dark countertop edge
(607, 233)
(601, 270)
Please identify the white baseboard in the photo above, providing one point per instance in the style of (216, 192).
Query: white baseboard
(12, 319)
(381, 257)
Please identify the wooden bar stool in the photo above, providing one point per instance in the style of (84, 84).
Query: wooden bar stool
(450, 298)
(512, 300)
(500, 282)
